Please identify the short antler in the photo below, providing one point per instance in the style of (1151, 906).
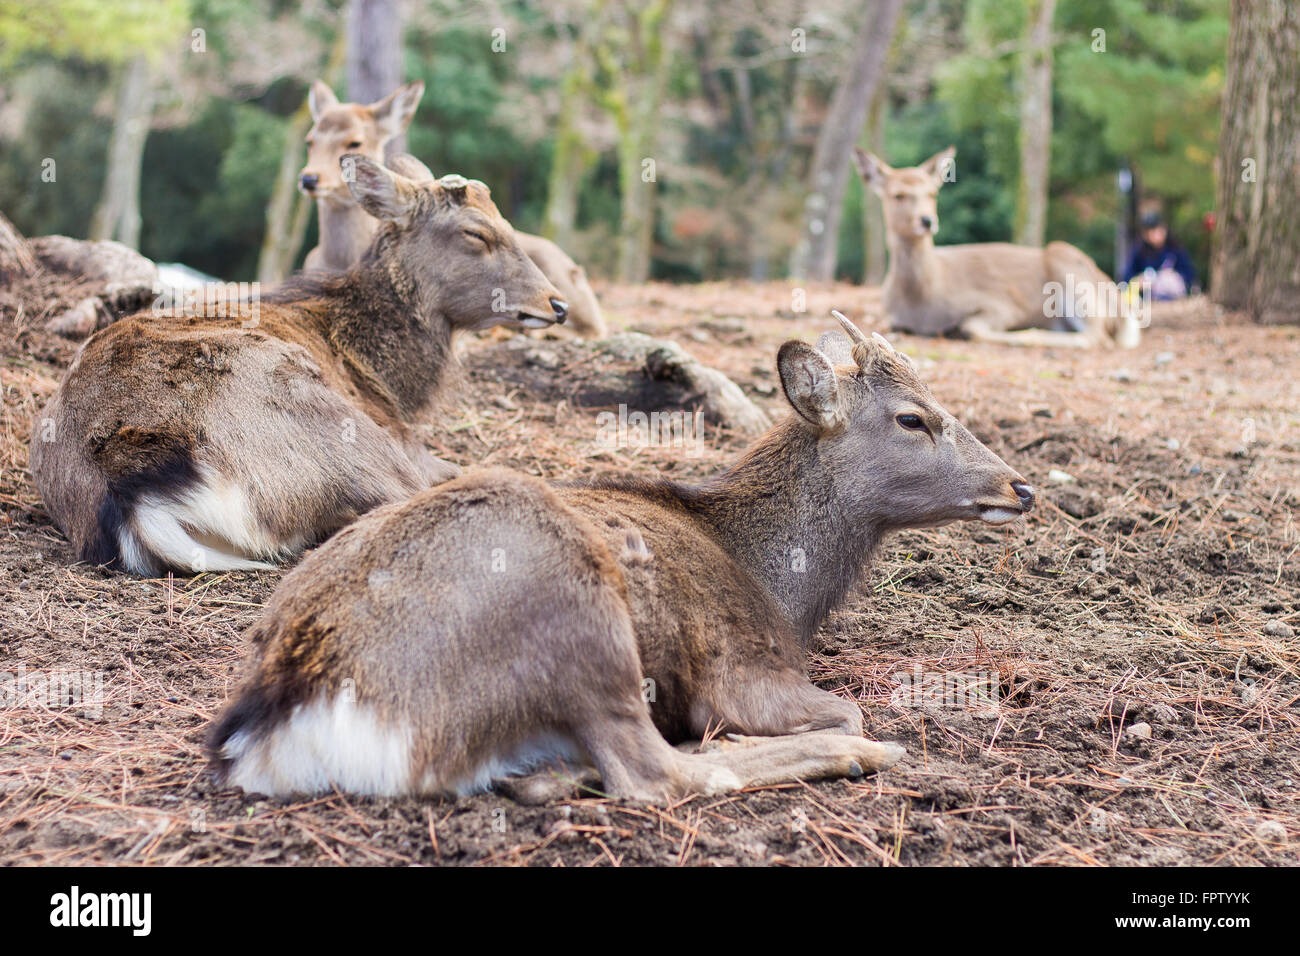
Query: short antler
(862, 345)
(854, 333)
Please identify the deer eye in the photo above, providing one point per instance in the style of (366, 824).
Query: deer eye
(355, 144)
(900, 196)
(912, 422)
(476, 235)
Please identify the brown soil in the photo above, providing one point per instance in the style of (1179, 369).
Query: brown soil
(1139, 592)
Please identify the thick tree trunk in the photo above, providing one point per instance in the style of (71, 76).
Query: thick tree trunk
(814, 256)
(374, 58)
(1035, 123)
(1256, 263)
(118, 214)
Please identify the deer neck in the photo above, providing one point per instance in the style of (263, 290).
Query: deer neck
(345, 232)
(777, 513)
(913, 268)
(394, 340)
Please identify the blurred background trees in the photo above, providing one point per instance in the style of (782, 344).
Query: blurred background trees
(653, 138)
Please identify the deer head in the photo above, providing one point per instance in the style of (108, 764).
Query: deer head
(909, 196)
(457, 249)
(339, 128)
(896, 457)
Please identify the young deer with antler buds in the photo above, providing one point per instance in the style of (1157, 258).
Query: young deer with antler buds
(190, 443)
(496, 623)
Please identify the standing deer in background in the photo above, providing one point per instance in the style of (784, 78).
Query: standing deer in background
(345, 228)
(496, 623)
(992, 291)
(190, 443)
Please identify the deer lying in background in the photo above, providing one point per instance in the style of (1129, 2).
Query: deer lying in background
(345, 228)
(993, 291)
(189, 443)
(496, 623)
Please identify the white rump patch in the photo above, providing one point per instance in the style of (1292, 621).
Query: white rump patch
(209, 527)
(324, 744)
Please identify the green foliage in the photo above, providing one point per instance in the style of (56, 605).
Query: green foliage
(108, 31)
(458, 129)
(61, 128)
(1149, 100)
(206, 186)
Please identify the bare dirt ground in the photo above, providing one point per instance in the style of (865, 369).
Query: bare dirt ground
(1159, 587)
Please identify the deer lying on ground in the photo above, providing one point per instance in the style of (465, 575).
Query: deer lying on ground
(994, 291)
(345, 228)
(192, 443)
(496, 623)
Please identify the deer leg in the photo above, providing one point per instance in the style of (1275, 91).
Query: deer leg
(434, 470)
(815, 756)
(979, 329)
(771, 703)
(550, 786)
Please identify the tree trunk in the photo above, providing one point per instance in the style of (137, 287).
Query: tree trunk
(118, 214)
(814, 257)
(1256, 263)
(874, 264)
(572, 157)
(640, 70)
(289, 210)
(1035, 123)
(374, 58)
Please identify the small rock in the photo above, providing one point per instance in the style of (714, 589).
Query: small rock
(504, 401)
(1163, 713)
(1164, 358)
(1248, 693)
(1140, 729)
(1058, 477)
(1122, 375)
(1279, 629)
(1270, 831)
(1172, 444)
(543, 357)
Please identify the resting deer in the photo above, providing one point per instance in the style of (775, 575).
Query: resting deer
(346, 228)
(496, 623)
(191, 443)
(993, 291)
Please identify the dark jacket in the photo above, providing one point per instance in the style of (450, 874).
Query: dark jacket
(1172, 256)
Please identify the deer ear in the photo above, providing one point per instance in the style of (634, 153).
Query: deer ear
(382, 193)
(939, 167)
(396, 110)
(320, 98)
(871, 168)
(808, 378)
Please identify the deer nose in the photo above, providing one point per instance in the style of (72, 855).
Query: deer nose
(309, 181)
(561, 309)
(1025, 493)
(927, 224)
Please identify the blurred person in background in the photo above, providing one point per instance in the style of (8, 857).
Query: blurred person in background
(1158, 263)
